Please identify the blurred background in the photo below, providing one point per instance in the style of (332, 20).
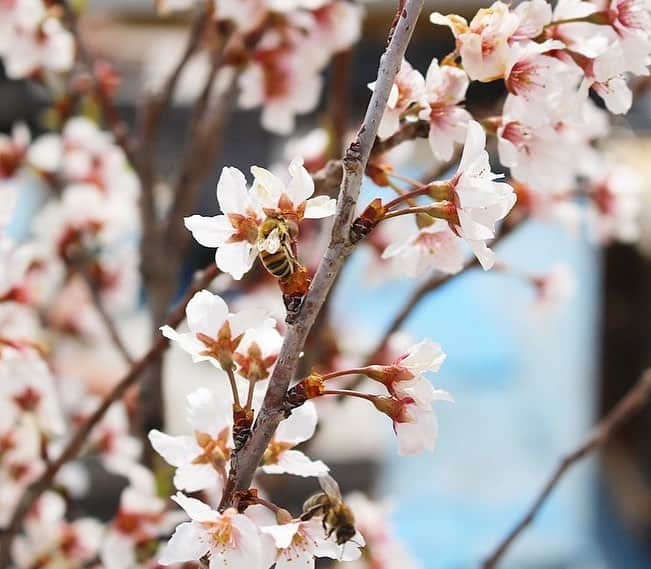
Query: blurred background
(527, 385)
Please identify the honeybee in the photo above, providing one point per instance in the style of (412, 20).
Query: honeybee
(337, 516)
(276, 244)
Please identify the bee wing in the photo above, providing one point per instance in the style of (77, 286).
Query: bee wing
(330, 487)
(271, 243)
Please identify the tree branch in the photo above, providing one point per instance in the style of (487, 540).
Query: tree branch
(106, 318)
(115, 123)
(328, 179)
(78, 440)
(633, 402)
(151, 115)
(245, 462)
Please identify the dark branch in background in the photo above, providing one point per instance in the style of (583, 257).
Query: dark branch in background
(106, 318)
(151, 116)
(245, 462)
(339, 100)
(633, 402)
(78, 440)
(110, 113)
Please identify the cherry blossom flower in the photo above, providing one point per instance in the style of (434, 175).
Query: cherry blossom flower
(404, 376)
(407, 91)
(231, 540)
(50, 541)
(282, 80)
(215, 334)
(235, 232)
(445, 88)
(483, 44)
(111, 437)
(281, 457)
(33, 41)
(141, 520)
(533, 16)
(202, 459)
(615, 205)
(480, 200)
(27, 387)
(299, 542)
(555, 288)
(414, 421)
(532, 71)
(257, 353)
(428, 244)
(14, 263)
(294, 200)
(21, 461)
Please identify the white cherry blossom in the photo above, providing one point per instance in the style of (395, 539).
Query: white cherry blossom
(234, 232)
(51, 540)
(281, 457)
(216, 334)
(415, 423)
(433, 245)
(445, 88)
(231, 540)
(201, 459)
(407, 91)
(480, 200)
(299, 542)
(294, 200)
(484, 43)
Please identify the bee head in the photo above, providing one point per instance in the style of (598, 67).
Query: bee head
(345, 533)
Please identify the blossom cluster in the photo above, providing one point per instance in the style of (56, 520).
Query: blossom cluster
(280, 49)
(33, 40)
(535, 152)
(235, 233)
(545, 129)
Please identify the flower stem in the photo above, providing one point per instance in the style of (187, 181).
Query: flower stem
(440, 191)
(249, 395)
(233, 382)
(340, 373)
(441, 211)
(349, 393)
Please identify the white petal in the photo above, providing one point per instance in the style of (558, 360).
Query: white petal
(474, 145)
(296, 463)
(232, 193)
(299, 426)
(209, 231)
(320, 207)
(282, 534)
(197, 510)
(301, 185)
(175, 450)
(188, 543)
(235, 258)
(206, 313)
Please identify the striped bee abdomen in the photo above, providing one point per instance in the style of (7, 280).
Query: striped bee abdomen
(280, 264)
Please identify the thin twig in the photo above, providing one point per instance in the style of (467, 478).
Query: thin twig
(78, 440)
(151, 116)
(633, 402)
(107, 320)
(110, 113)
(246, 460)
(328, 179)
